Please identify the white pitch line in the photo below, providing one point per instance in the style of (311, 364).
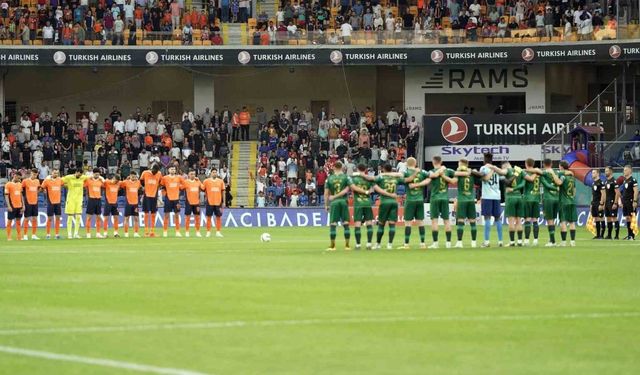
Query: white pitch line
(96, 361)
(319, 321)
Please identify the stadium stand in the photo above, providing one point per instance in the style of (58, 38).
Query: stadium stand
(165, 23)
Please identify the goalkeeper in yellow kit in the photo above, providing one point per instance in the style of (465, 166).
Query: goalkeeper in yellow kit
(73, 206)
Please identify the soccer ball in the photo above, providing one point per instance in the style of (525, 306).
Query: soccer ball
(265, 237)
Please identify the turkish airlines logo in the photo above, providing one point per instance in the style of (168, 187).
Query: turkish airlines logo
(437, 56)
(528, 54)
(454, 130)
(615, 51)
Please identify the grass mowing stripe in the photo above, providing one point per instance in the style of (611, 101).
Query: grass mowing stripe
(96, 361)
(300, 322)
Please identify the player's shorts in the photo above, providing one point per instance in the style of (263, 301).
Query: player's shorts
(532, 210)
(339, 212)
(490, 207)
(568, 213)
(439, 208)
(595, 210)
(191, 209)
(131, 210)
(388, 211)
(54, 209)
(362, 213)
(15, 214)
(514, 207)
(466, 210)
(414, 210)
(627, 208)
(30, 210)
(551, 208)
(110, 209)
(213, 210)
(93, 206)
(609, 211)
(171, 206)
(73, 207)
(149, 204)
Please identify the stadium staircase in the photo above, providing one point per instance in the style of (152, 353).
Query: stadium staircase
(235, 33)
(268, 6)
(243, 158)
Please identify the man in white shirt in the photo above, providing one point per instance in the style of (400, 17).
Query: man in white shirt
(130, 125)
(490, 204)
(25, 125)
(141, 127)
(475, 8)
(118, 126)
(392, 115)
(94, 115)
(345, 30)
(143, 159)
(47, 34)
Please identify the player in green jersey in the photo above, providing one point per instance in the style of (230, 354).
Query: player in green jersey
(386, 184)
(465, 201)
(531, 202)
(362, 211)
(439, 202)
(551, 199)
(73, 204)
(568, 211)
(514, 203)
(414, 202)
(335, 198)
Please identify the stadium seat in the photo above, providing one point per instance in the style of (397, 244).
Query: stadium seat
(88, 43)
(37, 42)
(206, 42)
(96, 42)
(6, 42)
(302, 42)
(252, 23)
(176, 42)
(146, 43)
(166, 43)
(157, 42)
(197, 42)
(487, 40)
(17, 42)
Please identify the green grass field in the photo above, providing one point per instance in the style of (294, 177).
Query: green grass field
(236, 306)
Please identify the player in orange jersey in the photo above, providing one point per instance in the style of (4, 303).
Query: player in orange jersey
(150, 179)
(52, 185)
(111, 189)
(192, 187)
(31, 187)
(94, 201)
(171, 183)
(214, 191)
(131, 187)
(15, 204)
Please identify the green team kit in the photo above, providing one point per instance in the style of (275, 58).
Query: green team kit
(439, 203)
(532, 197)
(568, 209)
(414, 201)
(339, 209)
(362, 211)
(514, 202)
(550, 196)
(388, 210)
(466, 207)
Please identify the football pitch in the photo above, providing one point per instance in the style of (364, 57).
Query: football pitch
(238, 306)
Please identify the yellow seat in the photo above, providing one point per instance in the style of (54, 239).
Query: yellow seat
(302, 42)
(293, 42)
(488, 40)
(166, 43)
(176, 42)
(252, 23)
(507, 40)
(371, 41)
(37, 42)
(146, 43)
(17, 42)
(206, 42)
(96, 42)
(6, 42)
(157, 42)
(197, 42)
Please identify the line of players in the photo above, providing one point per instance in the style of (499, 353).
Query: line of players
(524, 190)
(606, 200)
(22, 201)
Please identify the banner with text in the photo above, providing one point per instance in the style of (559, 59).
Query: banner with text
(474, 153)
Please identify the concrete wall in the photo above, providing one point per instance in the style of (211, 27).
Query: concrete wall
(569, 84)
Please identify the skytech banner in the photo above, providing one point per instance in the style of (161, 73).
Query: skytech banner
(440, 54)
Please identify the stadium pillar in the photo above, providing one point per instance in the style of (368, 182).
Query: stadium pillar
(2, 112)
(203, 92)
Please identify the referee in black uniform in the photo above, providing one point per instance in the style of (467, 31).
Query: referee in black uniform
(612, 197)
(629, 200)
(597, 204)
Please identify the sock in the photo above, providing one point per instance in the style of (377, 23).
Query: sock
(218, 223)
(573, 234)
(609, 228)
(136, 224)
(57, 225)
(77, 219)
(519, 235)
(34, 226)
(422, 233)
(208, 223)
(187, 223)
(116, 224)
(358, 234)
(460, 231)
(474, 231)
(536, 230)
(332, 232)
(448, 235)
(177, 219)
(369, 233)
(9, 223)
(552, 233)
(87, 224)
(69, 224)
(617, 224)
(347, 232)
(499, 229)
(18, 229)
(512, 236)
(603, 228)
(105, 224)
(434, 235)
(597, 229)
(25, 226)
(563, 235)
(152, 224)
(407, 233)
(487, 229)
(392, 232)
(126, 225)
(147, 223)
(527, 229)
(380, 233)
(198, 220)
(629, 233)
(48, 226)
(98, 224)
